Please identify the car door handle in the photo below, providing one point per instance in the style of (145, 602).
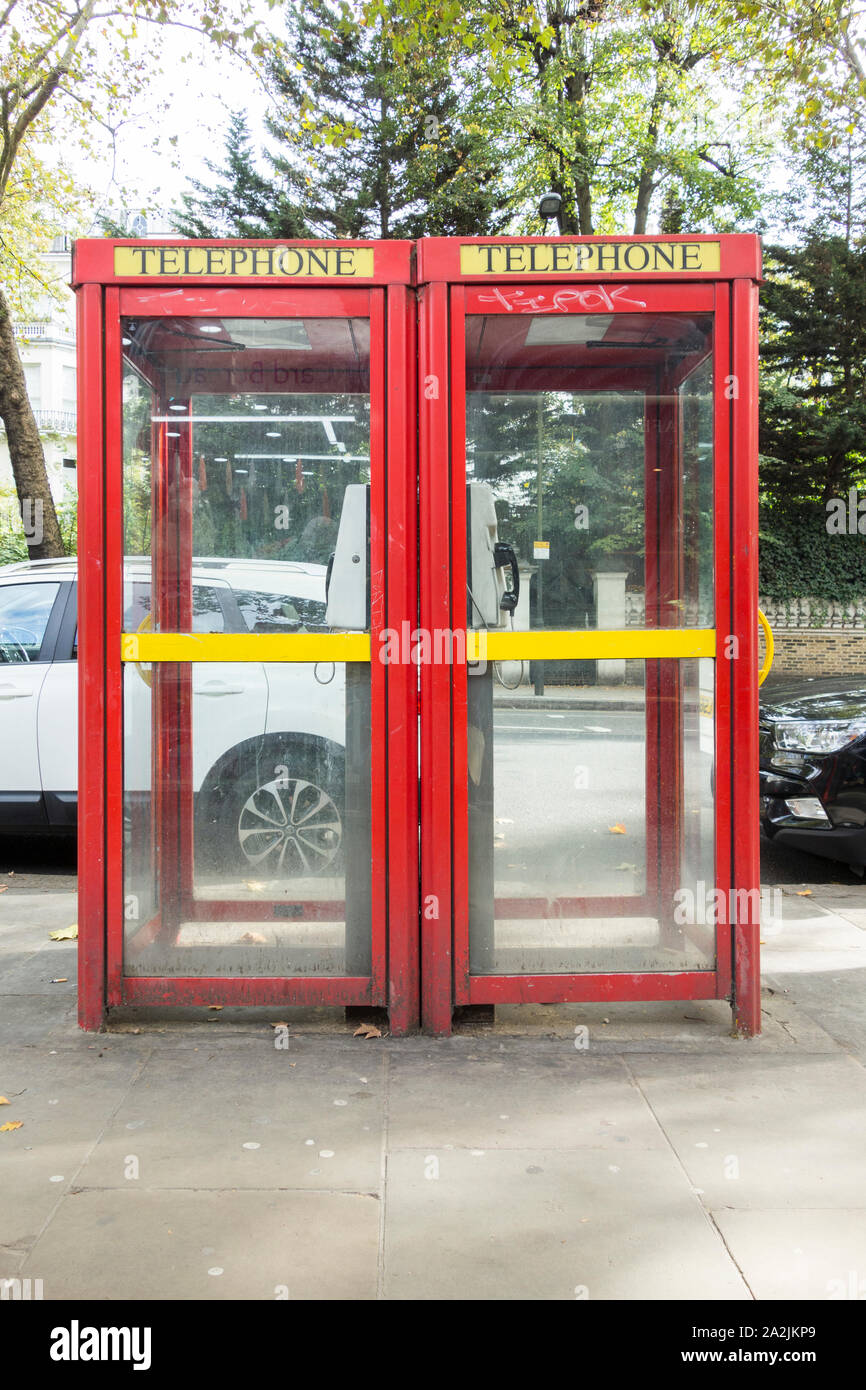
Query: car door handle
(14, 692)
(219, 688)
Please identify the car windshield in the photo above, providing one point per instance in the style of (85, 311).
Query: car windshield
(24, 613)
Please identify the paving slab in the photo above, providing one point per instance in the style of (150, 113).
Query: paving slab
(810, 1255)
(63, 1103)
(259, 1118)
(761, 1131)
(35, 1018)
(514, 1099)
(20, 909)
(824, 941)
(701, 1025)
(35, 972)
(546, 1224)
(142, 1244)
(836, 1000)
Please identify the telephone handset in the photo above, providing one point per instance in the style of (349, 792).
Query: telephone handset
(503, 554)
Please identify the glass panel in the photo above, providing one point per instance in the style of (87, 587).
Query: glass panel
(591, 826)
(592, 436)
(254, 859)
(241, 437)
(246, 473)
(696, 439)
(24, 613)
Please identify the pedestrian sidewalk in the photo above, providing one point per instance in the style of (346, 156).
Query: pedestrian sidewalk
(589, 697)
(608, 1152)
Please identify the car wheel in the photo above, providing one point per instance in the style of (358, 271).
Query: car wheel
(282, 818)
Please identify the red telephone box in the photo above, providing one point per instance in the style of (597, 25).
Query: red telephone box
(248, 784)
(566, 575)
(588, 790)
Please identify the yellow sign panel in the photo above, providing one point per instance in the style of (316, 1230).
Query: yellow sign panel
(245, 262)
(627, 257)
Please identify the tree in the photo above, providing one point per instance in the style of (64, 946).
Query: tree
(813, 401)
(629, 109)
(380, 139)
(240, 201)
(369, 140)
(53, 64)
(816, 47)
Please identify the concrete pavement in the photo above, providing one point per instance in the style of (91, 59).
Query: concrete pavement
(188, 1157)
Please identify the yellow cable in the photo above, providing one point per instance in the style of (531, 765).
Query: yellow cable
(769, 648)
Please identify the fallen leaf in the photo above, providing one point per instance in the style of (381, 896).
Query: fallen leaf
(254, 939)
(804, 892)
(279, 1025)
(4, 1101)
(11, 1124)
(367, 1030)
(4, 887)
(617, 829)
(216, 1006)
(65, 933)
(253, 887)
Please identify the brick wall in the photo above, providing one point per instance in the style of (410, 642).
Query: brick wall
(817, 652)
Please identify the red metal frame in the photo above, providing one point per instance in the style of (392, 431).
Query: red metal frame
(743, 416)
(394, 886)
(93, 792)
(442, 589)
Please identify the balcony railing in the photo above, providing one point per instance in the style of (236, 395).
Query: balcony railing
(54, 421)
(35, 331)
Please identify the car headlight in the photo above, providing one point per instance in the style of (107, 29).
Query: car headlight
(817, 735)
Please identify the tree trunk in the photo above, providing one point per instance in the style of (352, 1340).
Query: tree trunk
(649, 162)
(41, 528)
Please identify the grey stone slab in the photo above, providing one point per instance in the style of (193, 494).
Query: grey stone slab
(38, 913)
(142, 1244)
(541, 1224)
(700, 1025)
(833, 1001)
(516, 1098)
(853, 910)
(34, 1018)
(12, 960)
(764, 1131)
(10, 1262)
(792, 945)
(810, 1255)
(192, 1117)
(32, 972)
(63, 1101)
(785, 1025)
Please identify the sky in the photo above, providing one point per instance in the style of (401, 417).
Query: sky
(172, 131)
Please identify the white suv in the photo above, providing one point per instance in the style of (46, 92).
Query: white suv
(268, 738)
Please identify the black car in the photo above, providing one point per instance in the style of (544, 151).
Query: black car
(813, 767)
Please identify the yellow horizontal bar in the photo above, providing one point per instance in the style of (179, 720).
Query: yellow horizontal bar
(648, 643)
(245, 646)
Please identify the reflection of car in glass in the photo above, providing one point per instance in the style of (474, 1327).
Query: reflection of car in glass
(268, 738)
(813, 768)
